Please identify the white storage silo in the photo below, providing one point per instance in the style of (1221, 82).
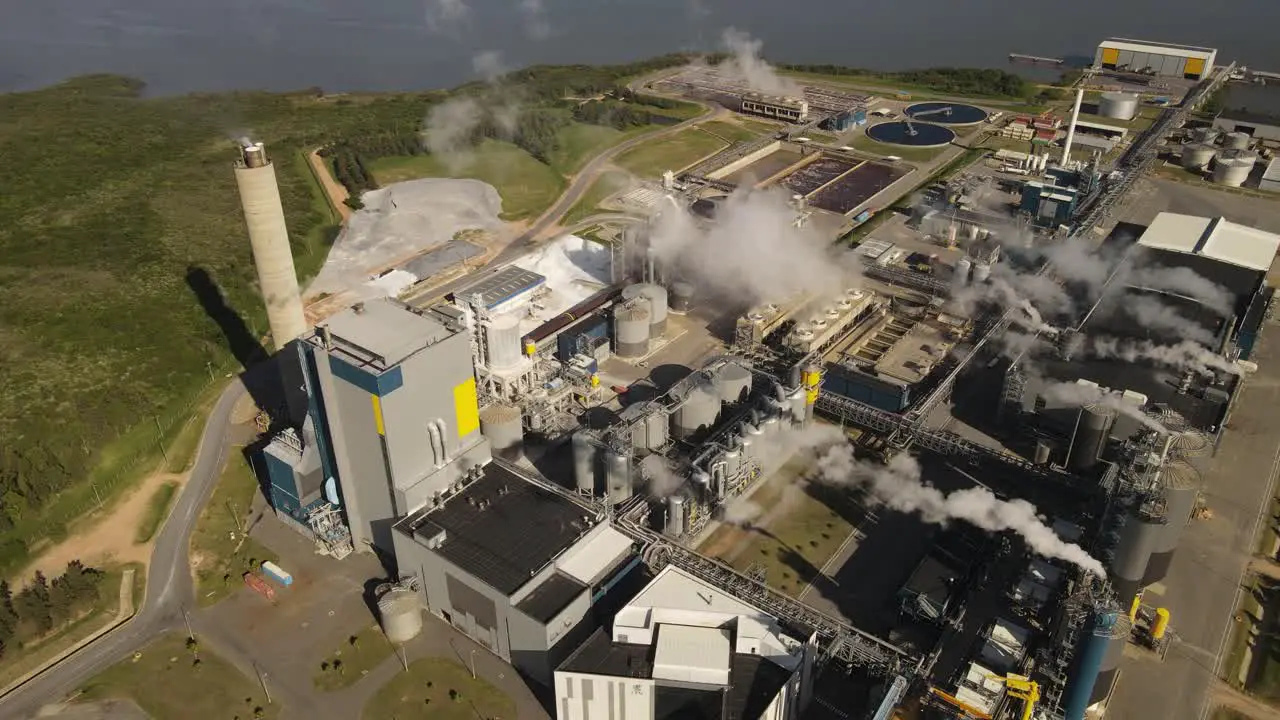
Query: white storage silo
(1232, 167)
(675, 515)
(1197, 156)
(584, 463)
(656, 425)
(699, 410)
(502, 424)
(401, 614)
(1118, 105)
(617, 473)
(1236, 141)
(502, 340)
(733, 382)
(981, 272)
(657, 297)
(960, 275)
(631, 329)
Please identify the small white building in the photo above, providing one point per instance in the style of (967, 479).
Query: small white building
(685, 647)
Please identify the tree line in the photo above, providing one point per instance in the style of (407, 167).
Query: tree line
(960, 81)
(45, 604)
(619, 116)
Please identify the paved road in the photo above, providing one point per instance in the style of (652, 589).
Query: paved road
(169, 584)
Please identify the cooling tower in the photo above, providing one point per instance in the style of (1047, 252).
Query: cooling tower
(272, 256)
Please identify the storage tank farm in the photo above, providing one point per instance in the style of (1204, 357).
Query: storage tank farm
(1118, 105)
(1232, 166)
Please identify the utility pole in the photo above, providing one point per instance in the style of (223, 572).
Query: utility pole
(235, 515)
(96, 495)
(262, 678)
(186, 618)
(473, 664)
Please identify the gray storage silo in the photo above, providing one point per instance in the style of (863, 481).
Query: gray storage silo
(656, 424)
(1142, 529)
(1197, 156)
(733, 382)
(656, 296)
(1092, 429)
(1181, 485)
(1236, 141)
(1232, 167)
(502, 424)
(699, 410)
(584, 463)
(503, 344)
(400, 612)
(631, 329)
(681, 297)
(1044, 451)
(981, 273)
(617, 473)
(675, 515)
(960, 272)
(1118, 105)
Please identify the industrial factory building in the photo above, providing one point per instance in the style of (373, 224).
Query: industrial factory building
(685, 648)
(1152, 58)
(1259, 126)
(781, 108)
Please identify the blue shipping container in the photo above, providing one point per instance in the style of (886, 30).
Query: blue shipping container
(863, 216)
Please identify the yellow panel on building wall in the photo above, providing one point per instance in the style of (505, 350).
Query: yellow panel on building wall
(467, 407)
(1195, 66)
(1110, 56)
(377, 415)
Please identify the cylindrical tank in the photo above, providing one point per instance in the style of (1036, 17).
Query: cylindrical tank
(502, 425)
(1116, 643)
(1161, 624)
(631, 329)
(1043, 451)
(1197, 155)
(951, 234)
(732, 462)
(1189, 443)
(1205, 135)
(656, 425)
(584, 463)
(1138, 537)
(1088, 663)
(681, 297)
(503, 341)
(799, 408)
(981, 272)
(1118, 105)
(770, 425)
(1092, 428)
(675, 515)
(617, 474)
(699, 410)
(269, 238)
(401, 615)
(656, 297)
(960, 275)
(733, 382)
(1236, 141)
(1232, 167)
(1181, 486)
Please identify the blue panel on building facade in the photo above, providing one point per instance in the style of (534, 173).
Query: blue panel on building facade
(374, 384)
(315, 409)
(582, 338)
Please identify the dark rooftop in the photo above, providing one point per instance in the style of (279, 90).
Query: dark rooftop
(548, 599)
(500, 528)
(753, 681)
(933, 580)
(1241, 282)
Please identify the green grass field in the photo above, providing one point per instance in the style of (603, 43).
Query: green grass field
(168, 683)
(527, 186)
(157, 510)
(441, 690)
(866, 144)
(346, 665)
(604, 186)
(728, 131)
(674, 152)
(220, 551)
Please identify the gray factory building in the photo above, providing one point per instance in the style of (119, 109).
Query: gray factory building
(1260, 126)
(514, 565)
(393, 401)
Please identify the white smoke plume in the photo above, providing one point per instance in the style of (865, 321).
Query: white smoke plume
(1080, 395)
(662, 480)
(1186, 282)
(535, 16)
(746, 66)
(449, 129)
(489, 65)
(753, 252)
(1153, 315)
(898, 486)
(441, 15)
(740, 511)
(1185, 355)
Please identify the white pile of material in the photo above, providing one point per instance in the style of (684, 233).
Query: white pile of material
(575, 270)
(399, 222)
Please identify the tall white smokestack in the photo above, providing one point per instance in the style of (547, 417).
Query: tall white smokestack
(1071, 129)
(263, 213)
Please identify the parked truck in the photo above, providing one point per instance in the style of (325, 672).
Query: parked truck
(259, 586)
(275, 572)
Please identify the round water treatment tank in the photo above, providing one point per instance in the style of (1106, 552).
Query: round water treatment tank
(502, 425)
(401, 615)
(1197, 156)
(981, 272)
(733, 382)
(584, 463)
(911, 134)
(1118, 105)
(502, 337)
(699, 410)
(656, 425)
(617, 473)
(946, 113)
(675, 515)
(1236, 141)
(681, 297)
(631, 329)
(1232, 167)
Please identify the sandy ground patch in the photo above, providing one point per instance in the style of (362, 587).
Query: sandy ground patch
(106, 537)
(335, 190)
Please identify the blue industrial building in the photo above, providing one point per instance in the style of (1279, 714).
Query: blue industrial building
(583, 338)
(846, 120)
(1050, 201)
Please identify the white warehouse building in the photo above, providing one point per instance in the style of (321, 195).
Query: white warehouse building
(1156, 58)
(683, 647)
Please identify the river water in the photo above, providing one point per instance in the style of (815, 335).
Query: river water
(179, 46)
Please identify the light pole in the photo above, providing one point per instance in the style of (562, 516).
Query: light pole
(473, 664)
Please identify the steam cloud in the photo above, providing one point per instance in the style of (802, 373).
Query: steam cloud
(753, 252)
(1079, 395)
(746, 66)
(1185, 355)
(443, 13)
(535, 15)
(451, 126)
(898, 486)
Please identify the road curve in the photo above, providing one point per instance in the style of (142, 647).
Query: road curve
(169, 585)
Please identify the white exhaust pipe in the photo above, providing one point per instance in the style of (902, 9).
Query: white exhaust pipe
(1071, 129)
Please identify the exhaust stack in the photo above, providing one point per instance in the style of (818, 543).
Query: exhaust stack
(272, 256)
(1071, 129)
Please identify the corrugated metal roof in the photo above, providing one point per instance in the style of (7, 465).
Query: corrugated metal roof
(1213, 238)
(1146, 46)
(1175, 232)
(693, 654)
(1273, 170)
